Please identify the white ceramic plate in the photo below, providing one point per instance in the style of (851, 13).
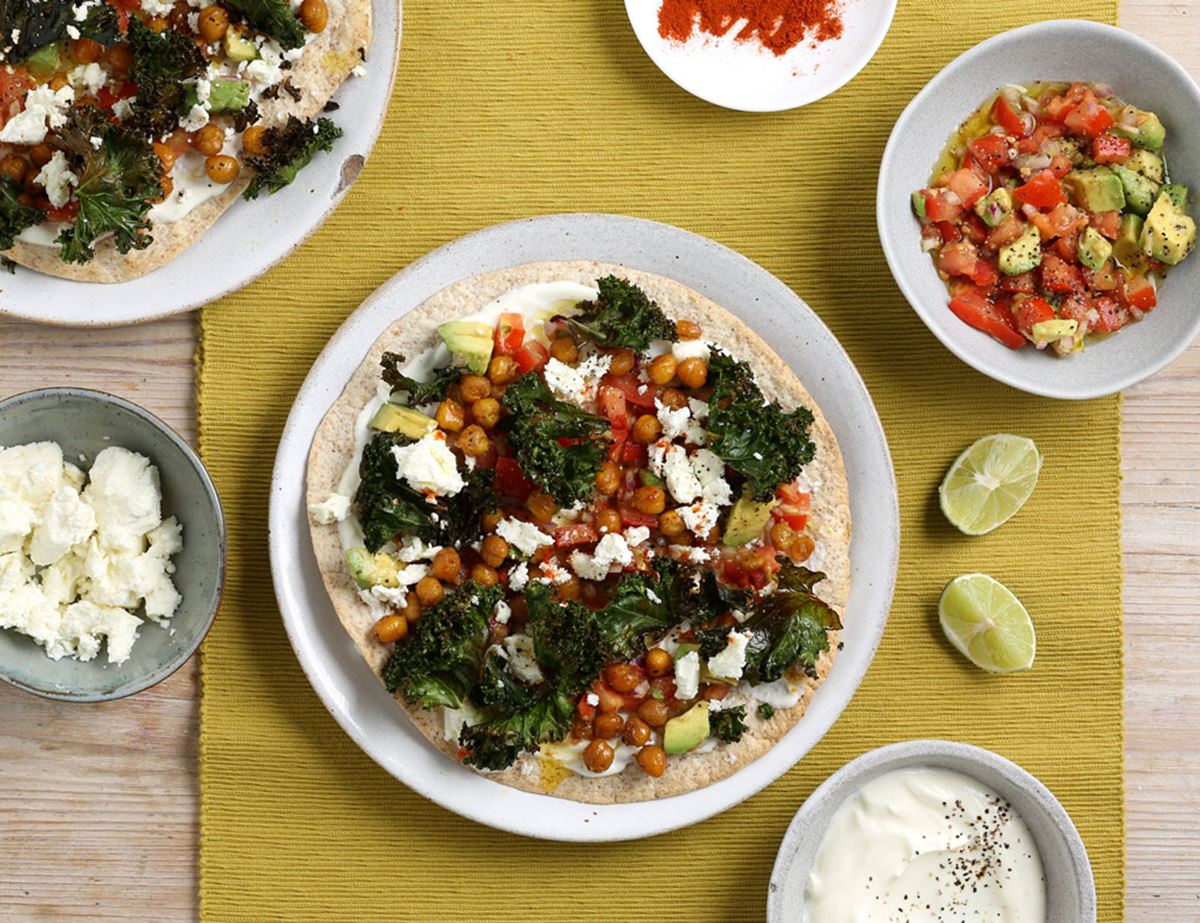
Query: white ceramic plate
(250, 237)
(355, 696)
(745, 76)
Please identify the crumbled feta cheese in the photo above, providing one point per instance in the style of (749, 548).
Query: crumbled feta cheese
(333, 509)
(196, 118)
(518, 577)
(17, 520)
(413, 549)
(710, 472)
(577, 385)
(730, 662)
(57, 179)
(43, 107)
(698, 408)
(691, 349)
(688, 553)
(125, 495)
(392, 596)
(635, 535)
(503, 613)
(524, 536)
(123, 108)
(674, 422)
(701, 517)
(90, 78)
(66, 521)
(33, 471)
(521, 658)
(681, 479)
(687, 676)
(593, 699)
(359, 69)
(157, 7)
(553, 572)
(80, 11)
(429, 465)
(611, 549)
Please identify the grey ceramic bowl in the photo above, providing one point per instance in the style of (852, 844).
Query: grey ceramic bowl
(86, 422)
(1058, 50)
(1070, 890)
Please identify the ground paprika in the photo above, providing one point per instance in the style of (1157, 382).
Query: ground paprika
(777, 25)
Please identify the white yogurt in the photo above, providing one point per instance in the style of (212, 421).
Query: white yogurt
(926, 845)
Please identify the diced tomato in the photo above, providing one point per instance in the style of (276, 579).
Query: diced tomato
(1033, 144)
(1107, 223)
(1004, 115)
(1111, 149)
(1057, 108)
(974, 229)
(587, 711)
(1061, 221)
(510, 334)
(633, 454)
(66, 212)
(948, 231)
(14, 84)
(1043, 190)
(509, 481)
(984, 274)
(1140, 294)
(968, 185)
(974, 308)
(611, 401)
(638, 393)
(1089, 117)
(957, 259)
(531, 356)
(1060, 276)
(1008, 230)
(632, 517)
(1103, 279)
(1113, 314)
(1068, 247)
(577, 533)
(938, 206)
(1030, 311)
(991, 152)
(107, 98)
(793, 507)
(1060, 166)
(1076, 307)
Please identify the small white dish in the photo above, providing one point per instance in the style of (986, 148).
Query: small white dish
(1067, 49)
(1070, 889)
(744, 75)
(356, 697)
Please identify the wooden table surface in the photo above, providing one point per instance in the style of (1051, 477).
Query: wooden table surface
(98, 804)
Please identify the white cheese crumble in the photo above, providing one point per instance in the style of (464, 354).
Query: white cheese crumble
(335, 508)
(691, 349)
(701, 518)
(44, 108)
(518, 577)
(429, 465)
(687, 676)
(674, 422)
(635, 535)
(730, 662)
(58, 179)
(524, 536)
(611, 549)
(577, 385)
(521, 658)
(503, 613)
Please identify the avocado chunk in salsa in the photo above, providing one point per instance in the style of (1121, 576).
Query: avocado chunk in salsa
(470, 339)
(687, 731)
(1094, 249)
(1023, 254)
(1147, 163)
(1097, 190)
(1168, 234)
(1140, 192)
(1146, 132)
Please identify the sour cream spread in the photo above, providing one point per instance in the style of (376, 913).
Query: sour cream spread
(926, 845)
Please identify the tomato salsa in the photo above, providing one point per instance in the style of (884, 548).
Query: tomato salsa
(1051, 215)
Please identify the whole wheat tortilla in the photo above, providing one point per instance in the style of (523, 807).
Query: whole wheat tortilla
(327, 61)
(413, 333)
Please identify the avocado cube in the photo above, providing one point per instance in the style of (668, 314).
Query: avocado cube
(1023, 254)
(1127, 248)
(1140, 192)
(1097, 189)
(470, 339)
(229, 95)
(1094, 249)
(238, 47)
(370, 570)
(687, 731)
(918, 204)
(747, 519)
(1147, 163)
(46, 61)
(1177, 193)
(1147, 132)
(994, 207)
(1168, 234)
(394, 418)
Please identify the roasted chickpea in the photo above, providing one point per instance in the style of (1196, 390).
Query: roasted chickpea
(30, 183)
(581, 728)
(598, 756)
(253, 139)
(157, 23)
(493, 550)
(208, 140)
(673, 398)
(670, 523)
(446, 564)
(610, 701)
(490, 520)
(637, 731)
(646, 429)
(564, 349)
(484, 575)
(658, 662)
(782, 536)
(623, 677)
(167, 155)
(57, 82)
(609, 726)
(569, 591)
(474, 441)
(693, 372)
(40, 154)
(450, 416)
(212, 23)
(662, 369)
(14, 166)
(541, 506)
(802, 548)
(687, 330)
(608, 520)
(429, 591)
(650, 500)
(653, 760)
(120, 58)
(412, 609)
(314, 14)
(654, 712)
(222, 168)
(623, 361)
(391, 628)
(486, 412)
(608, 478)
(502, 370)
(86, 51)
(714, 692)
(475, 388)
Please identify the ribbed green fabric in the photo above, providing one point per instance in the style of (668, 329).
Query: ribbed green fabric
(508, 110)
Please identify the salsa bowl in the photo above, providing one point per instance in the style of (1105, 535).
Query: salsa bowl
(1060, 50)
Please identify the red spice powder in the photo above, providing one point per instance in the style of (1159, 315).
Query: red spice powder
(777, 25)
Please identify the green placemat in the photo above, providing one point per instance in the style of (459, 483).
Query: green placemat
(507, 110)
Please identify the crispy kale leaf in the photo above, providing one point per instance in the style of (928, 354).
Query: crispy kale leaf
(540, 427)
(15, 216)
(117, 183)
(761, 441)
(419, 392)
(622, 315)
(766, 711)
(37, 23)
(567, 639)
(442, 659)
(389, 507)
(274, 17)
(290, 147)
(728, 724)
(789, 627)
(639, 606)
(499, 688)
(162, 61)
(497, 742)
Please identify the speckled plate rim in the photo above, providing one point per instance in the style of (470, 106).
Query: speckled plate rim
(164, 291)
(356, 698)
(943, 753)
(171, 666)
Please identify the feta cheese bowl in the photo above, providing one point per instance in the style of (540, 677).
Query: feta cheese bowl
(112, 546)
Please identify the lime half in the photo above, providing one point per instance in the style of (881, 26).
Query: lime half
(987, 623)
(989, 482)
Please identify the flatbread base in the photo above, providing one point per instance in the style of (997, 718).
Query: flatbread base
(413, 333)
